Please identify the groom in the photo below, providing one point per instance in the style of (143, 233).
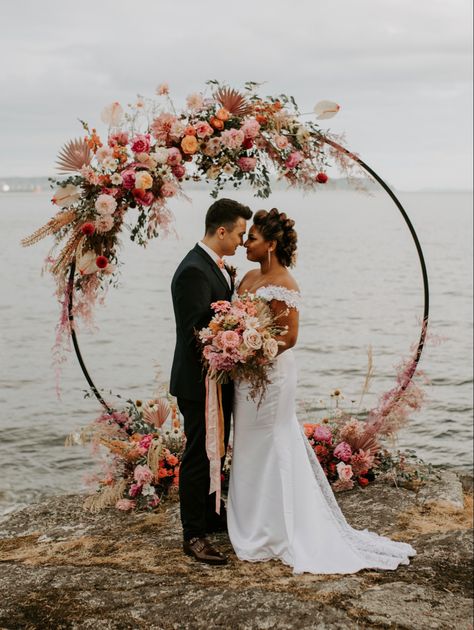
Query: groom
(202, 278)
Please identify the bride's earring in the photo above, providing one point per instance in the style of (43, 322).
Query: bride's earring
(269, 256)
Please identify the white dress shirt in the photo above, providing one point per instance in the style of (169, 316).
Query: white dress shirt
(215, 257)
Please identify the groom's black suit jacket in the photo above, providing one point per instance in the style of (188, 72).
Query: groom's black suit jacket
(197, 283)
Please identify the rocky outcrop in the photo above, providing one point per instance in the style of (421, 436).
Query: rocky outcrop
(62, 567)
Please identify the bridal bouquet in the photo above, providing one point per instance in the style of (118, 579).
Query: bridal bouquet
(240, 342)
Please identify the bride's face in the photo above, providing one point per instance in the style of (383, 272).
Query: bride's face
(256, 246)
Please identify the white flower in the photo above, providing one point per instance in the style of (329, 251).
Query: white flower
(110, 164)
(112, 114)
(270, 348)
(326, 109)
(105, 204)
(161, 155)
(177, 129)
(65, 196)
(252, 339)
(148, 490)
(205, 334)
(116, 179)
(302, 134)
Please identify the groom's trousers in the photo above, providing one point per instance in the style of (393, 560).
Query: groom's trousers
(198, 507)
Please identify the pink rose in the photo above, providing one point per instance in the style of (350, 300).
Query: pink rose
(174, 156)
(293, 159)
(125, 504)
(230, 339)
(135, 489)
(232, 138)
(142, 474)
(168, 189)
(145, 442)
(178, 171)
(246, 164)
(203, 129)
(104, 223)
(322, 434)
(251, 128)
(343, 451)
(141, 143)
(119, 138)
(344, 471)
(208, 352)
(143, 197)
(128, 178)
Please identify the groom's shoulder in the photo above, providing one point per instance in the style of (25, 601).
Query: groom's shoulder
(192, 260)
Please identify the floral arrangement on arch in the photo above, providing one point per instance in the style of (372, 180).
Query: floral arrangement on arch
(143, 456)
(350, 450)
(120, 182)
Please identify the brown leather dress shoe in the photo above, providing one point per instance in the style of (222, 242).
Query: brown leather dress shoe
(202, 550)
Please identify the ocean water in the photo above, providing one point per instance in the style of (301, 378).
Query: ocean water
(360, 277)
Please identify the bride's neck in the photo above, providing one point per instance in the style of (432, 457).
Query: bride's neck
(267, 268)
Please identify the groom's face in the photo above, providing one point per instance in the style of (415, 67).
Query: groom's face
(234, 237)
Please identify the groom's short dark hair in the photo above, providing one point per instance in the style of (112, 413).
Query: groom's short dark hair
(225, 212)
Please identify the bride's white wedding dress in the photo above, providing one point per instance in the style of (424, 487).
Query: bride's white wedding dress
(280, 503)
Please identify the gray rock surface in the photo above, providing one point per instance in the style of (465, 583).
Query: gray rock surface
(62, 567)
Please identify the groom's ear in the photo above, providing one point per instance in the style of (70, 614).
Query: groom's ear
(220, 232)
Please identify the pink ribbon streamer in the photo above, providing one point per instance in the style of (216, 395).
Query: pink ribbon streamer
(214, 438)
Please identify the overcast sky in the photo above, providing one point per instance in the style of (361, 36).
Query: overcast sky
(400, 69)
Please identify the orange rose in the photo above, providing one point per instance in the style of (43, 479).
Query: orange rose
(262, 120)
(190, 131)
(217, 123)
(223, 114)
(189, 145)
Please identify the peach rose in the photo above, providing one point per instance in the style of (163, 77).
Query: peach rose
(143, 180)
(344, 471)
(223, 114)
(189, 145)
(217, 123)
(252, 339)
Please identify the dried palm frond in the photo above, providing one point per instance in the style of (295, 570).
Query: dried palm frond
(54, 225)
(234, 102)
(367, 442)
(73, 156)
(368, 376)
(68, 252)
(157, 413)
(153, 456)
(106, 498)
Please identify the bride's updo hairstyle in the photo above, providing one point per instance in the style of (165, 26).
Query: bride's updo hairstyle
(276, 226)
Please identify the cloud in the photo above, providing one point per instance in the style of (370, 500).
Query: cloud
(401, 70)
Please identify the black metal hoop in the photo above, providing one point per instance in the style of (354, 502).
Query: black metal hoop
(426, 292)
(394, 198)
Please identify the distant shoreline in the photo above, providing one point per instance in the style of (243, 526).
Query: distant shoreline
(41, 184)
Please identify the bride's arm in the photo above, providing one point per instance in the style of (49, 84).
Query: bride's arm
(289, 317)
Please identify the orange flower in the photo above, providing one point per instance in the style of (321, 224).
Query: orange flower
(223, 114)
(190, 131)
(162, 473)
(189, 145)
(94, 141)
(262, 120)
(217, 123)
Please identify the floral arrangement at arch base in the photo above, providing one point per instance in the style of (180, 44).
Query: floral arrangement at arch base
(120, 182)
(144, 446)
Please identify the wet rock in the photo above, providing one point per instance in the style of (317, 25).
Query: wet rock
(62, 567)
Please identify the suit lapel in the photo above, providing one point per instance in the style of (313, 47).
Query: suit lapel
(213, 266)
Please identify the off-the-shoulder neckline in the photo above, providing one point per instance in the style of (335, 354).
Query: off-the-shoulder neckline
(277, 286)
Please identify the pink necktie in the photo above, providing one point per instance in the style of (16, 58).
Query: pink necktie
(220, 263)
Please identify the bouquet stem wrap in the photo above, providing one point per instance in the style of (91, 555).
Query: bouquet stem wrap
(215, 447)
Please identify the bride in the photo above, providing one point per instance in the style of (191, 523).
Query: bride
(281, 505)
